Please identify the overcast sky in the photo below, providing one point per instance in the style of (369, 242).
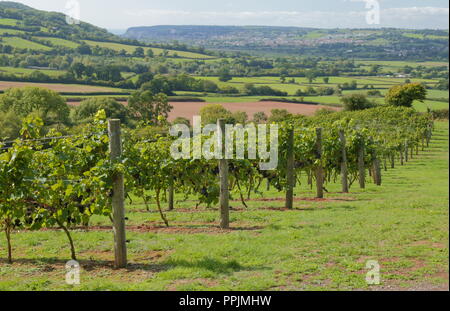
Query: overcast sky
(116, 14)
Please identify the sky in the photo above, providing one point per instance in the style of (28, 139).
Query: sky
(119, 14)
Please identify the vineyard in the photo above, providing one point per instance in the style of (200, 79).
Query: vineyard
(57, 181)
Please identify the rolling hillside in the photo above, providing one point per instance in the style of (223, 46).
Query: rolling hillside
(23, 27)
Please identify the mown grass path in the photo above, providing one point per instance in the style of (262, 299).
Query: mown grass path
(320, 245)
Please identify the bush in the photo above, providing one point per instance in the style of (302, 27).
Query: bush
(181, 120)
(85, 112)
(356, 102)
(374, 93)
(213, 112)
(440, 114)
(10, 125)
(404, 95)
(46, 104)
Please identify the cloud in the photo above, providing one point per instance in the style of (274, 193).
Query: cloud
(413, 17)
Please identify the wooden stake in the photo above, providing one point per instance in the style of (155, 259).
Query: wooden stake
(406, 151)
(361, 167)
(290, 176)
(344, 169)
(223, 173)
(171, 197)
(319, 169)
(118, 198)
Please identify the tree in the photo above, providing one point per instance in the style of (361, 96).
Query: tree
(49, 105)
(139, 52)
(159, 84)
(311, 76)
(326, 80)
(404, 95)
(213, 112)
(260, 117)
(78, 69)
(144, 78)
(148, 107)
(86, 111)
(10, 125)
(356, 102)
(442, 85)
(240, 117)
(84, 49)
(279, 115)
(181, 120)
(224, 75)
(150, 53)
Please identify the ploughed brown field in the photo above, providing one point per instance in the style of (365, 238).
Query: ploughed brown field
(190, 109)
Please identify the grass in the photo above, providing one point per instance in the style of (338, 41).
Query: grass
(10, 31)
(22, 71)
(24, 44)
(64, 88)
(399, 64)
(8, 21)
(156, 51)
(434, 105)
(60, 42)
(320, 245)
(381, 83)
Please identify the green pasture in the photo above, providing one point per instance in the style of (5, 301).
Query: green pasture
(60, 42)
(24, 44)
(23, 71)
(156, 51)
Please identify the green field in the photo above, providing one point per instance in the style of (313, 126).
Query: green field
(320, 245)
(60, 42)
(422, 36)
(10, 31)
(381, 83)
(156, 51)
(22, 71)
(20, 43)
(8, 21)
(392, 65)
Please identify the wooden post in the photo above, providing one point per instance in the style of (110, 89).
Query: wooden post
(290, 177)
(171, 196)
(361, 167)
(223, 173)
(377, 171)
(344, 169)
(406, 151)
(118, 197)
(319, 169)
(376, 167)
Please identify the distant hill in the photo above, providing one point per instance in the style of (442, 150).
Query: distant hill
(385, 43)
